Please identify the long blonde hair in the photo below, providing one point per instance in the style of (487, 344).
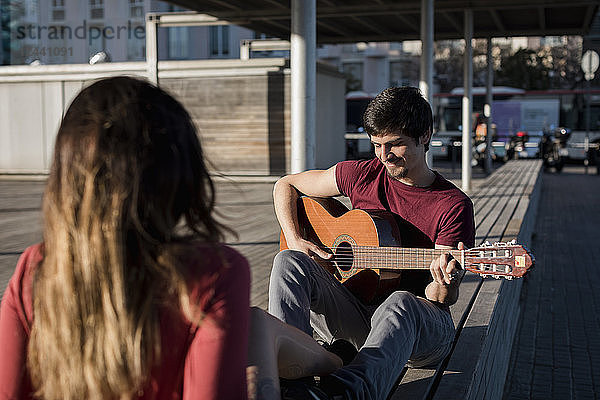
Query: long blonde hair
(128, 186)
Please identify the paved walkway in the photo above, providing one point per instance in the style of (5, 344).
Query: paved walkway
(556, 354)
(20, 222)
(246, 207)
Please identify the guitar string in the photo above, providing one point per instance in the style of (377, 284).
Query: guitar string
(345, 257)
(418, 264)
(408, 265)
(341, 253)
(410, 251)
(348, 267)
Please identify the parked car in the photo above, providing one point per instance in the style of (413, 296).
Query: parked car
(441, 146)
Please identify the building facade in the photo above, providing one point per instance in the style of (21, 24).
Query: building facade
(73, 31)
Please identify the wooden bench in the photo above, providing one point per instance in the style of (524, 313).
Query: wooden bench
(487, 311)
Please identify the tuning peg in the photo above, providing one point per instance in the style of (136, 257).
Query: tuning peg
(512, 242)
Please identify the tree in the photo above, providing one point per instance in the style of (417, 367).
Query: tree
(542, 66)
(448, 64)
(525, 69)
(566, 63)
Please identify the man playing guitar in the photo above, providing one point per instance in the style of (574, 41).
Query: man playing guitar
(408, 320)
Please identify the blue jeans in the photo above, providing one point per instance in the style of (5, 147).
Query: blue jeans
(404, 328)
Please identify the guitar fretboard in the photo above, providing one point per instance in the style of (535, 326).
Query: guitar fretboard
(390, 257)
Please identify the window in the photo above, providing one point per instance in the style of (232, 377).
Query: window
(30, 8)
(97, 44)
(178, 43)
(555, 40)
(396, 73)
(58, 51)
(58, 10)
(136, 48)
(350, 48)
(96, 9)
(354, 75)
(219, 41)
(136, 8)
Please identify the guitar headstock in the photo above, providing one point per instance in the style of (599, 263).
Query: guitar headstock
(499, 260)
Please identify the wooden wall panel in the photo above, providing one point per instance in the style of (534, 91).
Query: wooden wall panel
(243, 122)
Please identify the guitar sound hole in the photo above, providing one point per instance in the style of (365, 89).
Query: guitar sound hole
(344, 258)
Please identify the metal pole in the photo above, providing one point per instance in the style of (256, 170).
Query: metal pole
(487, 111)
(245, 50)
(587, 124)
(426, 73)
(467, 103)
(303, 84)
(152, 48)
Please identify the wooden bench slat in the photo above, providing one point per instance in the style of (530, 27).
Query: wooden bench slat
(492, 226)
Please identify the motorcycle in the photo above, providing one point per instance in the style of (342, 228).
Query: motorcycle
(516, 146)
(553, 148)
(594, 154)
(497, 153)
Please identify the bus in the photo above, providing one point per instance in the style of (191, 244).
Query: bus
(517, 112)
(358, 144)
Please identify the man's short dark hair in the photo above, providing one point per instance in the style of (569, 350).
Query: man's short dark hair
(401, 110)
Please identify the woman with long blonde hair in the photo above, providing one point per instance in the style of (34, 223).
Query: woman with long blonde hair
(130, 295)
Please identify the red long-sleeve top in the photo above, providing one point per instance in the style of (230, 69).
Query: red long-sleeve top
(197, 362)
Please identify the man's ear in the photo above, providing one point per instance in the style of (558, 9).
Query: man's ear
(426, 137)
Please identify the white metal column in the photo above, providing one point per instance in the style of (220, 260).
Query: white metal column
(467, 102)
(152, 48)
(487, 110)
(426, 76)
(303, 84)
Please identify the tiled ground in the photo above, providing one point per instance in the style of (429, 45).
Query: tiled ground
(556, 354)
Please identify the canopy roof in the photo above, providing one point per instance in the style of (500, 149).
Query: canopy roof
(340, 21)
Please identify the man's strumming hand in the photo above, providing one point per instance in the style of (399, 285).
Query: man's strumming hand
(307, 247)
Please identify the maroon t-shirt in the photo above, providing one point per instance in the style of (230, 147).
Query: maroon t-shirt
(439, 214)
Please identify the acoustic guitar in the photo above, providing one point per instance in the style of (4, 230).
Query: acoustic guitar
(365, 243)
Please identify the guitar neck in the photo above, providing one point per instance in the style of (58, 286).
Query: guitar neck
(399, 257)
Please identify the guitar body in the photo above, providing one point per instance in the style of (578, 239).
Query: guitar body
(328, 223)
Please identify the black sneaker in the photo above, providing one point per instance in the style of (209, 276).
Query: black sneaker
(343, 349)
(325, 388)
(334, 388)
(301, 389)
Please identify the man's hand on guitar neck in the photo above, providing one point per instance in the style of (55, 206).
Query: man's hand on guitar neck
(447, 274)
